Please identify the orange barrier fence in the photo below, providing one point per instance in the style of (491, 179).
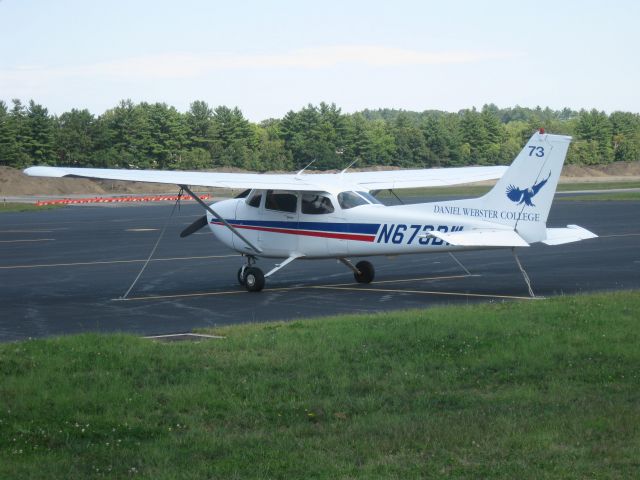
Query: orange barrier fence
(149, 198)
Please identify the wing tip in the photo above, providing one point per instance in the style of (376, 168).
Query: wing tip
(44, 172)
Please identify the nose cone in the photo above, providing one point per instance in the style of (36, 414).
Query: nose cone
(227, 210)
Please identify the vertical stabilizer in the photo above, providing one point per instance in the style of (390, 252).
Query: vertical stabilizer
(531, 180)
(526, 190)
(522, 198)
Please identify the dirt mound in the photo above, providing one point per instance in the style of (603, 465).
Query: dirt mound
(14, 182)
(616, 169)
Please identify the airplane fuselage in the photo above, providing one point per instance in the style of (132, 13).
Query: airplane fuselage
(365, 230)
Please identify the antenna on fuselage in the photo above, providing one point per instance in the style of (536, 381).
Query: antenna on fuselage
(349, 166)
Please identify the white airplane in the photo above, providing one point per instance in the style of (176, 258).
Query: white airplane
(314, 216)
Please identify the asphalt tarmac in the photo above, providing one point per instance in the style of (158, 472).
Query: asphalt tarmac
(63, 271)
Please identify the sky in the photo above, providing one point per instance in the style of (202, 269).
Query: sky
(270, 57)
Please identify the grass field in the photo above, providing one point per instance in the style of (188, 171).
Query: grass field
(538, 389)
(24, 207)
(477, 190)
(604, 197)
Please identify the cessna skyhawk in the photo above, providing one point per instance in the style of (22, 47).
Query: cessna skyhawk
(314, 216)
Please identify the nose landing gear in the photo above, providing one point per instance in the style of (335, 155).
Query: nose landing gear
(251, 277)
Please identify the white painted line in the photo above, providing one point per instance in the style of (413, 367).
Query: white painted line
(109, 262)
(27, 231)
(142, 229)
(199, 335)
(29, 240)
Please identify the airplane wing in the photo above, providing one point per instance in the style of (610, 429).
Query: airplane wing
(382, 180)
(482, 237)
(432, 177)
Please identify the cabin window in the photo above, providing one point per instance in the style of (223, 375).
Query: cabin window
(255, 200)
(370, 197)
(349, 200)
(314, 204)
(281, 201)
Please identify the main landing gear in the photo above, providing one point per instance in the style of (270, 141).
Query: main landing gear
(363, 271)
(253, 279)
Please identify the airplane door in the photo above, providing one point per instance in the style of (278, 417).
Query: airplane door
(321, 226)
(278, 225)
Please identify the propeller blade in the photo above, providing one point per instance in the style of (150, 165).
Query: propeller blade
(194, 227)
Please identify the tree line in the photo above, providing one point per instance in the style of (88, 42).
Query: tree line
(146, 135)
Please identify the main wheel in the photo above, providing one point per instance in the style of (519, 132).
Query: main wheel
(367, 272)
(253, 279)
(241, 275)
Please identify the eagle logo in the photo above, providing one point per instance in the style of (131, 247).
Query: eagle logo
(519, 196)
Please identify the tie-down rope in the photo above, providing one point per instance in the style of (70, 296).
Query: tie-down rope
(153, 250)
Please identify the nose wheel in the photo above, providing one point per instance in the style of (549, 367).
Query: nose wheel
(253, 279)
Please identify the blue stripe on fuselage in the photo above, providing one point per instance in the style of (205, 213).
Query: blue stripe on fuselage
(362, 228)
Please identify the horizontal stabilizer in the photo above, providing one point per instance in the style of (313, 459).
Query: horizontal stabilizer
(573, 233)
(484, 237)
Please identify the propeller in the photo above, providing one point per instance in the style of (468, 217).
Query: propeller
(194, 227)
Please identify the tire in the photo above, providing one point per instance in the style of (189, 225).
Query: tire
(253, 279)
(241, 276)
(367, 272)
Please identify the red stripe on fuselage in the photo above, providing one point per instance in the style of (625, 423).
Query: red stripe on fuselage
(306, 233)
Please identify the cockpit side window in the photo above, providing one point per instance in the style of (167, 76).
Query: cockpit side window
(316, 204)
(255, 200)
(350, 199)
(281, 200)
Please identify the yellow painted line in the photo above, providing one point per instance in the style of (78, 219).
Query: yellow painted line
(444, 277)
(620, 235)
(109, 262)
(337, 286)
(200, 294)
(427, 292)
(29, 240)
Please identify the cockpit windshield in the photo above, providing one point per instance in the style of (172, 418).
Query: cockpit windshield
(349, 200)
(370, 197)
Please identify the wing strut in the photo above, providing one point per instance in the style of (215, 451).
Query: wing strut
(222, 220)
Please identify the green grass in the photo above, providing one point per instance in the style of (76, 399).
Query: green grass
(477, 190)
(604, 197)
(571, 187)
(538, 389)
(24, 207)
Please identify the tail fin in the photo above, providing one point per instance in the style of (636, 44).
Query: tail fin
(522, 198)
